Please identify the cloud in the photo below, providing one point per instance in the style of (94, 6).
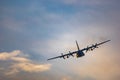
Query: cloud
(83, 2)
(21, 63)
(30, 67)
(102, 64)
(66, 28)
(87, 2)
(6, 55)
(66, 78)
(11, 72)
(20, 59)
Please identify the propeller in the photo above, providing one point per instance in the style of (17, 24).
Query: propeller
(95, 46)
(71, 54)
(87, 49)
(62, 56)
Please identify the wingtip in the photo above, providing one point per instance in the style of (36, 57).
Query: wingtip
(108, 40)
(48, 59)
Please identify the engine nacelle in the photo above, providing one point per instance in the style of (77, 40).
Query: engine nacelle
(79, 54)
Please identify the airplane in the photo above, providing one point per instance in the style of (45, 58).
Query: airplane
(79, 52)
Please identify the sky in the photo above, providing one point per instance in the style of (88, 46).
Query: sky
(31, 31)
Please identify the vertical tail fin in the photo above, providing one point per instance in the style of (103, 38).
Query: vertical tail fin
(77, 45)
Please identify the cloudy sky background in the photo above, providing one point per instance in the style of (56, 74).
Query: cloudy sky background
(33, 31)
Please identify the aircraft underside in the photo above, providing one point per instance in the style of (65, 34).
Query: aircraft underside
(80, 54)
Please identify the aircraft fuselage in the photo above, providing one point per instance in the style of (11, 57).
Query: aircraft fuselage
(79, 54)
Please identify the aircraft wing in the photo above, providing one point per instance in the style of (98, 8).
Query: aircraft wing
(103, 42)
(54, 57)
(63, 56)
(94, 46)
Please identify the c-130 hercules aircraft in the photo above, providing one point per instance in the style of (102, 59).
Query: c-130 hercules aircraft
(79, 52)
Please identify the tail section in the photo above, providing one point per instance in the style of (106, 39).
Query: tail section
(77, 46)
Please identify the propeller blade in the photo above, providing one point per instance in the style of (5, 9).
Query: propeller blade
(71, 54)
(62, 56)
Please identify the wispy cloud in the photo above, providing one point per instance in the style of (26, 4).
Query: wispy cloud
(31, 67)
(7, 56)
(49, 27)
(21, 63)
(66, 78)
(87, 2)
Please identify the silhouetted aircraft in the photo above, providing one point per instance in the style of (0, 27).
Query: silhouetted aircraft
(79, 52)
